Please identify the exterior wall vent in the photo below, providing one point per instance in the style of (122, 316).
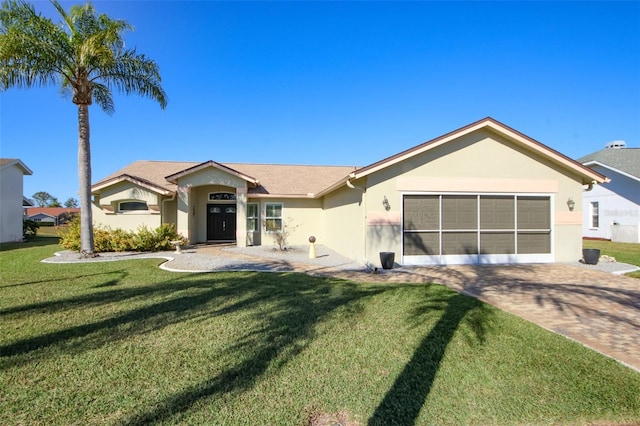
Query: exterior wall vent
(616, 144)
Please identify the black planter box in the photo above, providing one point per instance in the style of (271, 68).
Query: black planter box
(387, 259)
(591, 256)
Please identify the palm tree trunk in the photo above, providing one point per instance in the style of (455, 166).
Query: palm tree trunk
(84, 180)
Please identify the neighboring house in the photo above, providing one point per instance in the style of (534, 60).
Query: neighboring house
(612, 210)
(53, 215)
(484, 193)
(12, 172)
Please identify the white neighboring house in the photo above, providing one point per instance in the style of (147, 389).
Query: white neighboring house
(612, 210)
(12, 171)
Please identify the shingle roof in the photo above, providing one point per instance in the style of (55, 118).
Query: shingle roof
(626, 160)
(274, 179)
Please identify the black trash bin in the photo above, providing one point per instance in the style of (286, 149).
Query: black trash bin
(591, 256)
(386, 259)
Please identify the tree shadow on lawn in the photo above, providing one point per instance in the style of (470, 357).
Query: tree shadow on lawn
(286, 308)
(404, 400)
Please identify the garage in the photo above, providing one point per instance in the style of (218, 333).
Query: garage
(459, 228)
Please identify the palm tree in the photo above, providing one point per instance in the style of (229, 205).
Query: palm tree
(85, 56)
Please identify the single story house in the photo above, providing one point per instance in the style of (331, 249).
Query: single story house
(612, 210)
(12, 172)
(52, 215)
(484, 193)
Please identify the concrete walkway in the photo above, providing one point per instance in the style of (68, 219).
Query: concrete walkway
(598, 309)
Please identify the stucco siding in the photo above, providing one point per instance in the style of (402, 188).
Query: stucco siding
(481, 162)
(344, 221)
(11, 187)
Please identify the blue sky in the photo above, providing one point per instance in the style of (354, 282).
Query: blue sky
(344, 83)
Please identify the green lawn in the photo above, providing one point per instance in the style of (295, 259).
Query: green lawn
(623, 252)
(127, 343)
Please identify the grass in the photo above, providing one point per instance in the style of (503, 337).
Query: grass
(623, 252)
(126, 343)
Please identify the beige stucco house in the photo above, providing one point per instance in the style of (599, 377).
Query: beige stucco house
(484, 193)
(12, 172)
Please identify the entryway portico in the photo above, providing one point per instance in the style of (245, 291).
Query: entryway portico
(212, 203)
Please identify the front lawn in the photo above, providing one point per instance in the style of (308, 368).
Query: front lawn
(623, 252)
(127, 343)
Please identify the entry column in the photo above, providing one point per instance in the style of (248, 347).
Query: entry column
(241, 216)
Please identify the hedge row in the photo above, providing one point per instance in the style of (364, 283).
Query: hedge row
(106, 239)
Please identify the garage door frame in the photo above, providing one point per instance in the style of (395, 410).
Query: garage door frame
(478, 258)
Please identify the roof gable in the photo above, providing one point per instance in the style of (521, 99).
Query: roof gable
(512, 135)
(173, 178)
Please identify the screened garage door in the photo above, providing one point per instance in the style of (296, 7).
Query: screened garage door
(460, 229)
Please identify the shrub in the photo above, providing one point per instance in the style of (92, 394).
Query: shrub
(30, 228)
(106, 239)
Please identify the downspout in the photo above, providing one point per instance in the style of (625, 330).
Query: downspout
(364, 207)
(162, 215)
(590, 186)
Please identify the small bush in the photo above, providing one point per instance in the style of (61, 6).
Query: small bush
(30, 228)
(106, 239)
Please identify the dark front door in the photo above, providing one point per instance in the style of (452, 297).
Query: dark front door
(221, 222)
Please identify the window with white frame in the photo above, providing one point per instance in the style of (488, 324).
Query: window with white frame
(595, 214)
(132, 206)
(252, 217)
(273, 217)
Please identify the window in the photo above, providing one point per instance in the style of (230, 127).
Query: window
(273, 217)
(252, 217)
(222, 196)
(595, 214)
(132, 206)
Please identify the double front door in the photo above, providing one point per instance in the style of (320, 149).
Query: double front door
(221, 222)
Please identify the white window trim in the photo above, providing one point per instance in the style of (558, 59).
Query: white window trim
(120, 211)
(256, 217)
(266, 218)
(591, 215)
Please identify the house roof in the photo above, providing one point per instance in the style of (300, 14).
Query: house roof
(278, 180)
(588, 176)
(268, 180)
(51, 211)
(624, 160)
(26, 202)
(8, 162)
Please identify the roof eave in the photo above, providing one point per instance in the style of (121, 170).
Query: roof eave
(135, 180)
(613, 169)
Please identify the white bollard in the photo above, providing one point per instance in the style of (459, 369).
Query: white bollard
(312, 247)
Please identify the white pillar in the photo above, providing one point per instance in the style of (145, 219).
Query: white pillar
(241, 216)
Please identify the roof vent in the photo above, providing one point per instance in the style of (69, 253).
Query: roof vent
(616, 144)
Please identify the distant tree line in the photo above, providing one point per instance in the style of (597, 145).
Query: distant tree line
(44, 199)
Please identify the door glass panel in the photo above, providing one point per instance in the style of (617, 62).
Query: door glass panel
(421, 243)
(497, 212)
(421, 212)
(497, 242)
(459, 212)
(214, 209)
(459, 243)
(533, 213)
(230, 210)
